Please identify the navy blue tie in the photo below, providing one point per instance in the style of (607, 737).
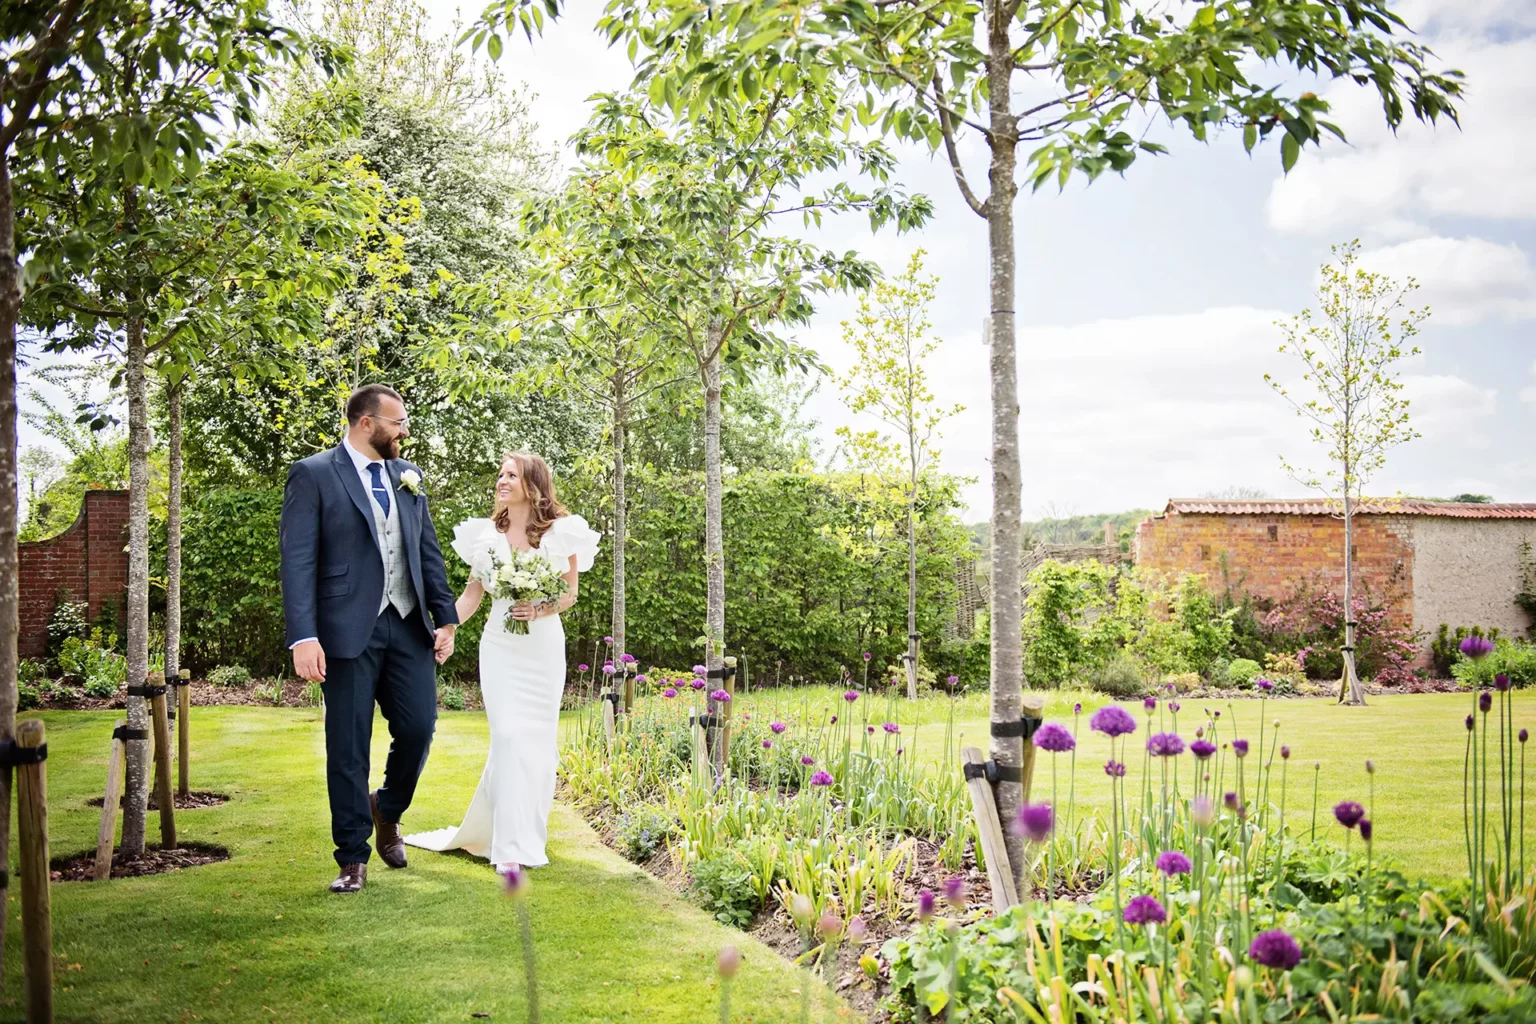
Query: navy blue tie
(380, 492)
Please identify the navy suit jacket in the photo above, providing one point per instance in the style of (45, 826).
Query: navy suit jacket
(332, 573)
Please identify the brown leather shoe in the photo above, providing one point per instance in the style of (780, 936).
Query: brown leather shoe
(386, 836)
(351, 878)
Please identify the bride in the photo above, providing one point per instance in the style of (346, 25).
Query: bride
(521, 676)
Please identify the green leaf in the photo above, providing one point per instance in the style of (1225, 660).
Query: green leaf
(1289, 151)
(493, 47)
(1250, 136)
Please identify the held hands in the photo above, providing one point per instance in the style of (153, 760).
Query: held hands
(442, 645)
(309, 661)
(525, 611)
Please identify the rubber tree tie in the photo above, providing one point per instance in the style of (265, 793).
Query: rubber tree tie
(975, 771)
(613, 699)
(5, 879)
(142, 690)
(14, 756)
(171, 682)
(1030, 725)
(707, 721)
(125, 734)
(721, 673)
(1007, 730)
(1004, 773)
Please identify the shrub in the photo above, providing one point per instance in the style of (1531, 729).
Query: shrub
(1122, 677)
(1513, 658)
(450, 697)
(1184, 682)
(643, 830)
(314, 694)
(68, 621)
(725, 887)
(94, 663)
(30, 670)
(1241, 672)
(1284, 670)
(230, 676)
(1445, 649)
(271, 692)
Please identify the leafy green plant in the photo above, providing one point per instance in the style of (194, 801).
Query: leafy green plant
(643, 830)
(724, 885)
(1121, 678)
(314, 694)
(230, 676)
(450, 697)
(1242, 671)
(93, 663)
(271, 692)
(1515, 659)
(68, 620)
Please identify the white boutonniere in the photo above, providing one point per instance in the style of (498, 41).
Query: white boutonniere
(410, 480)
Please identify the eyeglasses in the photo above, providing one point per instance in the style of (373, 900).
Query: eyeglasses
(402, 421)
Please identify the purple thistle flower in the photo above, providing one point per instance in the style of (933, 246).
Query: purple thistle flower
(1501, 682)
(1054, 738)
(925, 904)
(1172, 862)
(954, 892)
(1365, 829)
(720, 696)
(1112, 720)
(1165, 744)
(1285, 752)
(1145, 910)
(1202, 749)
(1035, 822)
(697, 684)
(1240, 748)
(1115, 770)
(1263, 685)
(850, 695)
(1476, 647)
(777, 727)
(1150, 703)
(669, 692)
(890, 727)
(821, 779)
(807, 760)
(1275, 949)
(628, 659)
(1484, 702)
(1348, 813)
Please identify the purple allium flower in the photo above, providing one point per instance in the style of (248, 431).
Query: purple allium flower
(777, 727)
(1202, 749)
(834, 720)
(607, 639)
(1172, 862)
(1199, 732)
(640, 678)
(1476, 647)
(1275, 949)
(890, 727)
(1165, 744)
(1240, 748)
(720, 696)
(729, 962)
(1054, 738)
(1112, 720)
(829, 925)
(669, 692)
(767, 744)
(1145, 910)
(1484, 702)
(1114, 769)
(1077, 708)
(1366, 829)
(850, 695)
(1150, 703)
(899, 751)
(807, 760)
(1470, 723)
(867, 655)
(1501, 682)
(628, 659)
(871, 729)
(1348, 813)
(821, 779)
(514, 881)
(1201, 811)
(1173, 706)
(1263, 685)
(1035, 822)
(925, 904)
(608, 669)
(858, 930)
(1285, 752)
(951, 680)
(1524, 735)
(697, 684)
(1230, 800)
(699, 670)
(1370, 767)
(954, 892)
(581, 668)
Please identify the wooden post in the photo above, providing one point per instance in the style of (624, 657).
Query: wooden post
(989, 830)
(700, 748)
(183, 737)
(113, 796)
(36, 919)
(725, 715)
(608, 722)
(629, 691)
(163, 794)
(1033, 706)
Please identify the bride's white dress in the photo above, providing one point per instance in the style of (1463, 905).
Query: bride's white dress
(521, 681)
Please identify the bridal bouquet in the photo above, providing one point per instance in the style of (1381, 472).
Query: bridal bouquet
(527, 576)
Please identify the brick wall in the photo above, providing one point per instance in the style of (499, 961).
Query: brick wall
(1267, 554)
(88, 560)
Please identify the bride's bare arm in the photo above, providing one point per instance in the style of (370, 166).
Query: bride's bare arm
(566, 599)
(469, 601)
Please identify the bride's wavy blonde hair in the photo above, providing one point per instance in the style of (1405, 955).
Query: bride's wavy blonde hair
(539, 484)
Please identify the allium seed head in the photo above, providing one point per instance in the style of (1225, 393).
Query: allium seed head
(1275, 950)
(1348, 813)
(1112, 720)
(1485, 702)
(1145, 910)
(1365, 829)
(1035, 822)
(1114, 769)
(1172, 862)
(1240, 748)
(1165, 744)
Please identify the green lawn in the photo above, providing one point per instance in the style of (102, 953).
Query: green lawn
(258, 938)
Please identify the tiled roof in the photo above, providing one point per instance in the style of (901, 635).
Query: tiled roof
(1377, 506)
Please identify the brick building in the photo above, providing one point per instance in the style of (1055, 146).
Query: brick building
(1456, 562)
(89, 561)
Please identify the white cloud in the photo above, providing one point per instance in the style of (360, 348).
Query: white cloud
(1528, 395)
(1463, 280)
(1389, 183)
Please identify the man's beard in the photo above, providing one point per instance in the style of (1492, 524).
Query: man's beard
(384, 443)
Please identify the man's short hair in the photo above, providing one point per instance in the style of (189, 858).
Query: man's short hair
(365, 401)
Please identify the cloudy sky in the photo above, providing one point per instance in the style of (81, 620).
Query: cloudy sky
(1147, 304)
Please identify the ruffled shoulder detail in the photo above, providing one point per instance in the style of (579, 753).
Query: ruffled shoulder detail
(473, 539)
(567, 536)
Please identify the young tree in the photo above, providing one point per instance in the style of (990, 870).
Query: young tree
(890, 340)
(933, 71)
(1349, 351)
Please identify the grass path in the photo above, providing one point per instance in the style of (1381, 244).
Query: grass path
(258, 938)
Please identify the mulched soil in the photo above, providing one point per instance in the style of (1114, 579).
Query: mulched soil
(205, 694)
(194, 800)
(81, 867)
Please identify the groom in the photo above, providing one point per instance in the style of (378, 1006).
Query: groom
(369, 612)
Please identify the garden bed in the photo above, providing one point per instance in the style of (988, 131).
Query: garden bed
(295, 694)
(193, 801)
(81, 867)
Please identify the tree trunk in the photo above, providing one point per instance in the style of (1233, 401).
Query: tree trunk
(714, 540)
(1007, 600)
(137, 788)
(912, 588)
(173, 532)
(10, 310)
(620, 516)
(1350, 689)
